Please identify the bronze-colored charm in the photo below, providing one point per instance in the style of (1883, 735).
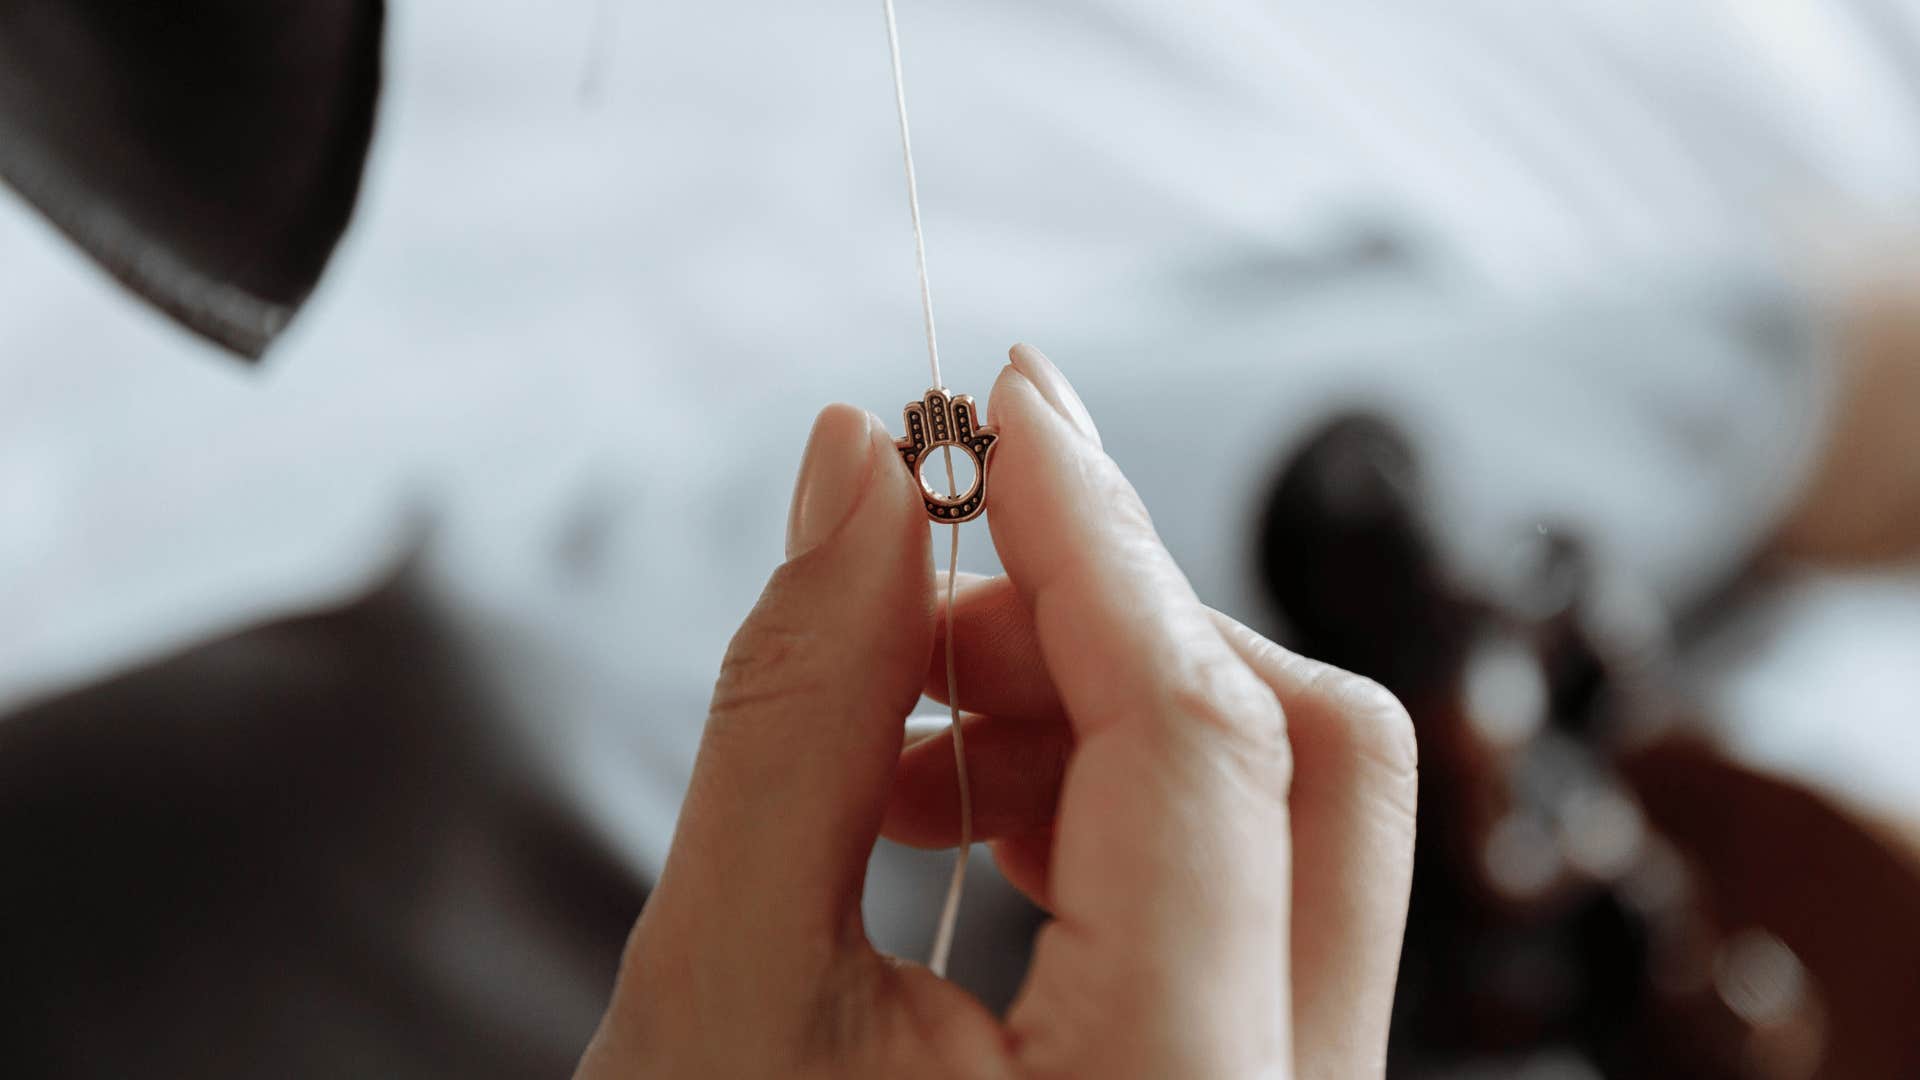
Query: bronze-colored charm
(938, 420)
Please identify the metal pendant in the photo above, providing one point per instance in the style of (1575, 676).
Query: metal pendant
(944, 420)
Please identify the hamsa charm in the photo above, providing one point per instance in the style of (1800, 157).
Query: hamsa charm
(943, 420)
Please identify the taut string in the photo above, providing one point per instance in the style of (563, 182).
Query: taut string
(956, 884)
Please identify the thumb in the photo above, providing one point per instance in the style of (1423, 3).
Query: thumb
(806, 723)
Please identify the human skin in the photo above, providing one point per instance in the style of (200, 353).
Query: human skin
(1222, 831)
(1860, 505)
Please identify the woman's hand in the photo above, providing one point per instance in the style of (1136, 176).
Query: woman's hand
(1222, 831)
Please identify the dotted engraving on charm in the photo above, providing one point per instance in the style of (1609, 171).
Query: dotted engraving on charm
(943, 420)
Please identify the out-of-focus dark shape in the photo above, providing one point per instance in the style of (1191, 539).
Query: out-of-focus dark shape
(206, 152)
(1594, 895)
(306, 849)
(1841, 895)
(1357, 483)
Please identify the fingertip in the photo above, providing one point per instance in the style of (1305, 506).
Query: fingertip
(921, 810)
(834, 471)
(898, 490)
(910, 824)
(1025, 860)
(1054, 387)
(1008, 381)
(967, 580)
(1015, 768)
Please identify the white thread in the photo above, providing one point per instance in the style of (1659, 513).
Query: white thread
(913, 192)
(950, 910)
(956, 884)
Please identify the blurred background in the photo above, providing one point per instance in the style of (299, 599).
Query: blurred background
(1557, 365)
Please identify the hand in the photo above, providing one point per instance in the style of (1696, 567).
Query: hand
(1222, 831)
(1859, 504)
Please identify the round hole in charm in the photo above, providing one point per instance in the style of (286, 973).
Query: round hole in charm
(933, 471)
(937, 423)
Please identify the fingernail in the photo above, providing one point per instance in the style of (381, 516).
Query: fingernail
(1054, 386)
(833, 472)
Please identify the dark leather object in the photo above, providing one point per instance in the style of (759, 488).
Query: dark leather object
(312, 848)
(206, 152)
(1839, 888)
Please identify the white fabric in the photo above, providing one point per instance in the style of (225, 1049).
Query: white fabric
(1548, 232)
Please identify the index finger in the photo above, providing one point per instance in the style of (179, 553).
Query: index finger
(1170, 873)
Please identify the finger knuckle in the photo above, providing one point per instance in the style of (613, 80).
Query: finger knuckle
(1222, 698)
(766, 665)
(1380, 725)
